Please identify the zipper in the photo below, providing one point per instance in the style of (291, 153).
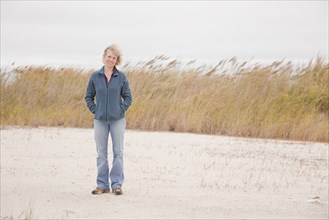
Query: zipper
(107, 93)
(107, 85)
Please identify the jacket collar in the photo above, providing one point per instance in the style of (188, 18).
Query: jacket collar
(115, 71)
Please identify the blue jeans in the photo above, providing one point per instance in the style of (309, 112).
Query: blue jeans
(101, 133)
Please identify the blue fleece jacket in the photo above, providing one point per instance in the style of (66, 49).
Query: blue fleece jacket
(111, 102)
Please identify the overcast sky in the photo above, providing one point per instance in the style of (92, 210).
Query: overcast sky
(76, 32)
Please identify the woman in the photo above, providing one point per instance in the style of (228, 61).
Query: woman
(113, 98)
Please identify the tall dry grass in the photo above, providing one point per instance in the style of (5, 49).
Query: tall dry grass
(279, 100)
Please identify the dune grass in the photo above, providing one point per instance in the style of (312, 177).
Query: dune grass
(279, 100)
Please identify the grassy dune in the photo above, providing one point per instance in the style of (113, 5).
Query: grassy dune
(278, 100)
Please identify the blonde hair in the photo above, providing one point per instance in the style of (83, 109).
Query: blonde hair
(115, 50)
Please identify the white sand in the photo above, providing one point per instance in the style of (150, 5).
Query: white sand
(51, 172)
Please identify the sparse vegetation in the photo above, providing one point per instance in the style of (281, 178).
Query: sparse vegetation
(278, 100)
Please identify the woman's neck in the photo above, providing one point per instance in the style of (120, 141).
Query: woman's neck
(108, 70)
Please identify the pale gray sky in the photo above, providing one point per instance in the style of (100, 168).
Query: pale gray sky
(76, 32)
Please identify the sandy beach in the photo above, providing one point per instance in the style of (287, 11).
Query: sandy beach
(48, 173)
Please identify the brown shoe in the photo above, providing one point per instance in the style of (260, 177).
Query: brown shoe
(98, 191)
(117, 191)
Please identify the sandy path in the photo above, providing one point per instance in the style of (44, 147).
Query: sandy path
(51, 172)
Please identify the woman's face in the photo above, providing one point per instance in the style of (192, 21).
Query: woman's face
(110, 59)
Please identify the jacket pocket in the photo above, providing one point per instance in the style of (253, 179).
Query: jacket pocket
(96, 113)
(122, 110)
